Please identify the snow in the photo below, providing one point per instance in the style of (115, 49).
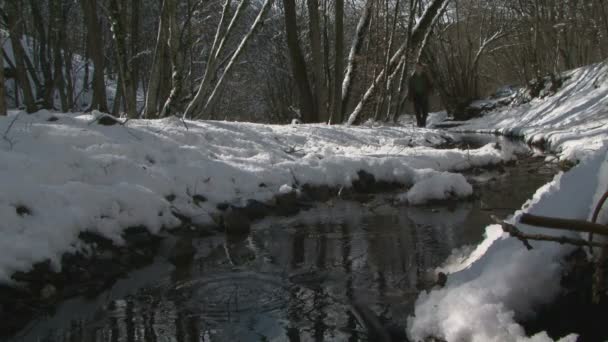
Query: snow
(63, 177)
(500, 282)
(438, 186)
(572, 122)
(59, 178)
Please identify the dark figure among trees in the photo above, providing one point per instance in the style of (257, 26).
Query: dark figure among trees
(420, 88)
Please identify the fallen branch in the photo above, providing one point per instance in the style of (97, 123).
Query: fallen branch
(564, 224)
(523, 237)
(8, 129)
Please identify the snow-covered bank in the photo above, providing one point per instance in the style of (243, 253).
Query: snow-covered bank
(505, 281)
(573, 121)
(64, 174)
(501, 282)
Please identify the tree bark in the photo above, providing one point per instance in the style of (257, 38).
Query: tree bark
(2, 89)
(298, 64)
(55, 37)
(414, 44)
(134, 32)
(171, 106)
(158, 63)
(314, 32)
(122, 55)
(15, 27)
(95, 45)
(43, 56)
(197, 107)
(564, 224)
(355, 49)
(254, 27)
(339, 62)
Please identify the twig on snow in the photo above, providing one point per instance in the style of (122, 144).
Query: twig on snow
(8, 129)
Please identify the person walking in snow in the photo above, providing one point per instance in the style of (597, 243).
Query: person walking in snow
(419, 90)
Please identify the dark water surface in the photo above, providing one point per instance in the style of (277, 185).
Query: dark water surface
(294, 279)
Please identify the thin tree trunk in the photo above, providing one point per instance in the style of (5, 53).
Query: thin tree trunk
(401, 89)
(117, 97)
(298, 64)
(197, 100)
(43, 57)
(388, 84)
(317, 60)
(339, 62)
(15, 27)
(415, 43)
(254, 28)
(87, 66)
(158, 63)
(122, 56)
(56, 37)
(198, 104)
(95, 43)
(135, 16)
(355, 49)
(2, 89)
(171, 106)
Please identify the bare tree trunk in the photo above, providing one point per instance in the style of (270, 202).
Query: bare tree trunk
(415, 44)
(43, 56)
(388, 84)
(401, 88)
(117, 97)
(95, 45)
(336, 115)
(210, 69)
(56, 36)
(197, 106)
(134, 32)
(355, 49)
(15, 27)
(314, 32)
(170, 106)
(254, 27)
(2, 89)
(120, 36)
(298, 64)
(158, 63)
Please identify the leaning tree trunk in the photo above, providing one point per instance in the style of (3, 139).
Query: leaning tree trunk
(198, 105)
(298, 63)
(257, 23)
(95, 42)
(415, 43)
(15, 29)
(355, 49)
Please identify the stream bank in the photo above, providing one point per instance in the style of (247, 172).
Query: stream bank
(293, 276)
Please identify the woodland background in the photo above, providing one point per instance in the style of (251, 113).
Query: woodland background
(274, 60)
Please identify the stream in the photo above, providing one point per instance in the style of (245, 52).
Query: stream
(295, 278)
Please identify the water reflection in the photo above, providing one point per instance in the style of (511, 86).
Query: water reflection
(291, 279)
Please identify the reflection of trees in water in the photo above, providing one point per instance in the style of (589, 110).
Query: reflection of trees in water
(322, 259)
